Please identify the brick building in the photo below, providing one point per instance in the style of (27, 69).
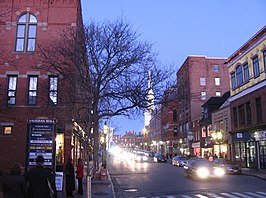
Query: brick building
(198, 79)
(169, 118)
(33, 101)
(247, 67)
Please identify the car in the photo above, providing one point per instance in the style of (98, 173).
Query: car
(140, 157)
(159, 158)
(202, 169)
(229, 166)
(179, 160)
(149, 153)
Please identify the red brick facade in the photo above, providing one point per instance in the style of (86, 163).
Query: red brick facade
(53, 16)
(196, 83)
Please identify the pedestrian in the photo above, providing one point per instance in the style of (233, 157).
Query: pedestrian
(14, 185)
(70, 178)
(41, 181)
(80, 175)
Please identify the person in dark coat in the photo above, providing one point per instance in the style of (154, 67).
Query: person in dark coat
(14, 185)
(80, 175)
(70, 178)
(39, 180)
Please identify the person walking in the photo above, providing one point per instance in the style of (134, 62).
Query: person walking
(41, 181)
(14, 185)
(70, 178)
(80, 175)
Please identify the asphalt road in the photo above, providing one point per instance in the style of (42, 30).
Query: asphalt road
(157, 180)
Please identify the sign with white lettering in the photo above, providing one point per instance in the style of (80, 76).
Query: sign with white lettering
(260, 135)
(41, 135)
(59, 181)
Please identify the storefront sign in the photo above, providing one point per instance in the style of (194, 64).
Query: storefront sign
(41, 134)
(260, 135)
(195, 144)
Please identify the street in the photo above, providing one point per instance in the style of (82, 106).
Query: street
(150, 179)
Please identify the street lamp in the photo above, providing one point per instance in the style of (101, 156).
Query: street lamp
(105, 130)
(218, 137)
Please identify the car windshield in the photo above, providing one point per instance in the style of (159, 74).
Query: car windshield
(203, 163)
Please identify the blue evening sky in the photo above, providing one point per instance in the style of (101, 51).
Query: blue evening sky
(179, 28)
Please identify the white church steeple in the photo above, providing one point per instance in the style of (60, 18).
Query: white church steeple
(150, 103)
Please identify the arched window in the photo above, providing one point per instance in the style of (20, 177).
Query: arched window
(26, 33)
(239, 75)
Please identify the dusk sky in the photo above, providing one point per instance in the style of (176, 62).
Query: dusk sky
(179, 28)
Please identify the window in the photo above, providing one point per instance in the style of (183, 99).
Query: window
(248, 111)
(202, 81)
(7, 130)
(256, 67)
(217, 81)
(264, 60)
(246, 73)
(218, 93)
(258, 110)
(241, 114)
(239, 75)
(205, 112)
(235, 117)
(26, 33)
(233, 80)
(203, 132)
(11, 90)
(175, 115)
(53, 88)
(216, 68)
(32, 90)
(203, 95)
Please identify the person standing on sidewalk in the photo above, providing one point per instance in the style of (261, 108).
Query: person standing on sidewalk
(70, 178)
(14, 185)
(41, 181)
(80, 175)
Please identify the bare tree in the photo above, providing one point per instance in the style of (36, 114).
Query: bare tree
(118, 66)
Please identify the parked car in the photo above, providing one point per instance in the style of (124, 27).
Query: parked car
(159, 158)
(149, 153)
(228, 166)
(179, 160)
(202, 169)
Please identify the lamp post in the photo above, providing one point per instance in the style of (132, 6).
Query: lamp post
(105, 130)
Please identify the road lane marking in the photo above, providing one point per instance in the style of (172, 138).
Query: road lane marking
(241, 195)
(255, 195)
(201, 196)
(214, 195)
(228, 195)
(263, 193)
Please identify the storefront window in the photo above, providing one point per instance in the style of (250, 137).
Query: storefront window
(59, 149)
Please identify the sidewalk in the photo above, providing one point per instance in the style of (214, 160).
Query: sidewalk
(256, 173)
(99, 188)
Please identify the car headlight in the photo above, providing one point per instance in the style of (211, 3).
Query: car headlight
(203, 173)
(219, 172)
(145, 158)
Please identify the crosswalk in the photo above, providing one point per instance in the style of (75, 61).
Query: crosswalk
(217, 195)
